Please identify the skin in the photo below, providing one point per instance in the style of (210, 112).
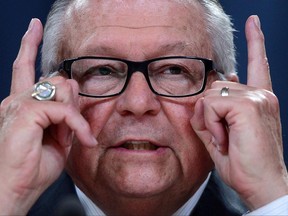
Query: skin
(111, 174)
(246, 150)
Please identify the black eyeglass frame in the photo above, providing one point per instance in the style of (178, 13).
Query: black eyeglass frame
(142, 67)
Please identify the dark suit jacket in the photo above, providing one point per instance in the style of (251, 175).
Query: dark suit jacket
(217, 200)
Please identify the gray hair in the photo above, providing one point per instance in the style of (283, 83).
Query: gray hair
(219, 27)
(53, 36)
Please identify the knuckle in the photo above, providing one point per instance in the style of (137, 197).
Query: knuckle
(18, 106)
(20, 63)
(70, 109)
(261, 36)
(261, 101)
(5, 102)
(17, 64)
(208, 100)
(207, 93)
(67, 88)
(24, 39)
(59, 79)
(9, 105)
(264, 62)
(10, 109)
(216, 84)
(273, 101)
(252, 106)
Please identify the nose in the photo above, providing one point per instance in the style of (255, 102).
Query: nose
(138, 99)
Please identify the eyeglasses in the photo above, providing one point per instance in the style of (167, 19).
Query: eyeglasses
(172, 76)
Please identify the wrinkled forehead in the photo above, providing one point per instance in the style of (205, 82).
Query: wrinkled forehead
(134, 13)
(85, 17)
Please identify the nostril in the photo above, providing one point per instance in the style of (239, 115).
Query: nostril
(138, 99)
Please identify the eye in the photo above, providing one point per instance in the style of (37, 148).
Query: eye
(173, 70)
(100, 71)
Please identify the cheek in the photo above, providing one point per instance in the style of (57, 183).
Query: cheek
(82, 165)
(189, 149)
(179, 114)
(97, 112)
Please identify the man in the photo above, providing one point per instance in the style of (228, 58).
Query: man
(141, 68)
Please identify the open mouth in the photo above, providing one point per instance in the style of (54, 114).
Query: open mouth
(139, 146)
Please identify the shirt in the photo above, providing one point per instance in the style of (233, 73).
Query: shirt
(279, 207)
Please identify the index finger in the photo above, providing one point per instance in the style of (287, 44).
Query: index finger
(23, 75)
(258, 67)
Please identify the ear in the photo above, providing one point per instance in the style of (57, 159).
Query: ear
(41, 78)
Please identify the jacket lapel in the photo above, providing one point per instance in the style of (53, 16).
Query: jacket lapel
(56, 197)
(219, 200)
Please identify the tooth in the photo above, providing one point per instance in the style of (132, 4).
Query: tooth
(142, 146)
(138, 145)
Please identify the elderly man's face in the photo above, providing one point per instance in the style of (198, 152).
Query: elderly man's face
(172, 161)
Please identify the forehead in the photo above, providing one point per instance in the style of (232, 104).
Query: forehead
(108, 11)
(165, 24)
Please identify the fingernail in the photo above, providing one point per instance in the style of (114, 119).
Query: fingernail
(217, 145)
(69, 138)
(219, 148)
(31, 25)
(93, 141)
(257, 21)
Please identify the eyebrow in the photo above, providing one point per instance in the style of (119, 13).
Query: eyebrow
(100, 49)
(176, 48)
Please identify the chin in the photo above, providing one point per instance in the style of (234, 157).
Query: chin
(140, 181)
(142, 190)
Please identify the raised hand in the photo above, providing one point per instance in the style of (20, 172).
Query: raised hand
(242, 131)
(35, 136)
